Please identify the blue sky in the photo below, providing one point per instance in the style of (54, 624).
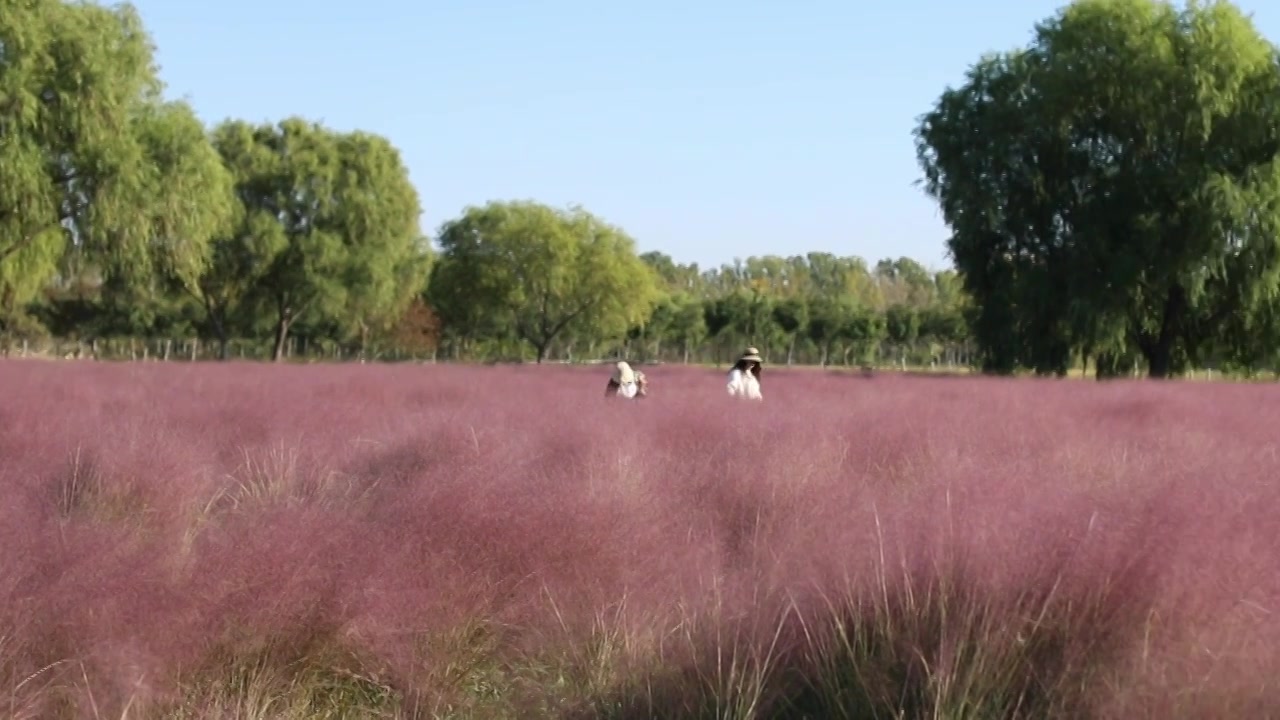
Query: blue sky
(708, 129)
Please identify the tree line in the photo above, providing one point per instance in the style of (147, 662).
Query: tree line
(121, 214)
(581, 291)
(1112, 192)
(124, 220)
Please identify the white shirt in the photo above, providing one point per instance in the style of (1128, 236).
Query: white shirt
(628, 390)
(744, 384)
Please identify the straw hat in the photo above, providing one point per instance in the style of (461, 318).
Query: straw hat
(751, 354)
(622, 373)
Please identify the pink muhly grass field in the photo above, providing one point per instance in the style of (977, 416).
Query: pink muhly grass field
(237, 540)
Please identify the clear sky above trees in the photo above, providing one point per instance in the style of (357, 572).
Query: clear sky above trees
(708, 130)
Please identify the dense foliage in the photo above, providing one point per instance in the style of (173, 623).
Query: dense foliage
(1114, 189)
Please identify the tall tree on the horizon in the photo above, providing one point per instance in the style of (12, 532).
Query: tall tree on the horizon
(1116, 185)
(94, 161)
(328, 226)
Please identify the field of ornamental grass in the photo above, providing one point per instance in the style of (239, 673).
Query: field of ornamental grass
(246, 541)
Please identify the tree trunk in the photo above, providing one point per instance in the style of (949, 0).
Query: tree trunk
(1105, 366)
(282, 338)
(1159, 351)
(541, 351)
(220, 333)
(1160, 362)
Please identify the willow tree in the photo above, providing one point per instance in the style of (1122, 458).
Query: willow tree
(538, 272)
(326, 230)
(91, 159)
(1114, 187)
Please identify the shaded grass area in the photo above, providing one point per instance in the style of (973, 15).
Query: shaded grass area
(207, 541)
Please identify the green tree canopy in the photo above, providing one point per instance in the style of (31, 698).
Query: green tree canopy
(327, 228)
(539, 271)
(1115, 185)
(90, 157)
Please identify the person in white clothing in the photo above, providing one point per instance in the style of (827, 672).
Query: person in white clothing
(744, 378)
(626, 383)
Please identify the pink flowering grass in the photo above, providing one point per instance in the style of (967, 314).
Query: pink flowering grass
(237, 540)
